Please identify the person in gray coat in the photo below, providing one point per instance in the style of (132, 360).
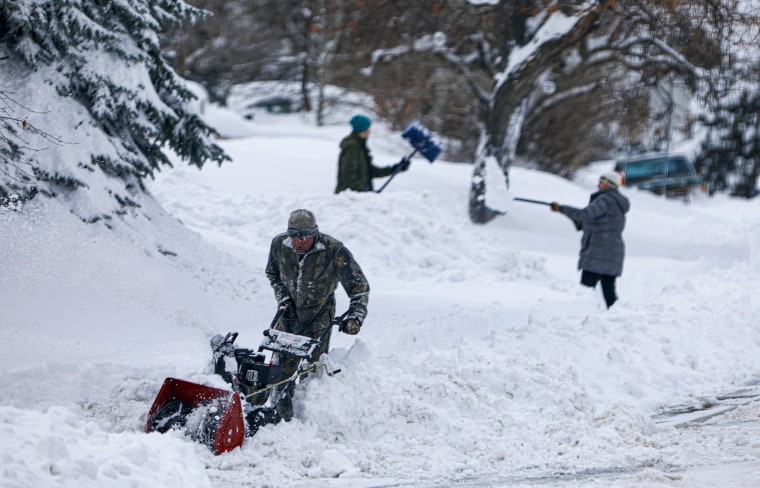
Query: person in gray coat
(602, 247)
(304, 268)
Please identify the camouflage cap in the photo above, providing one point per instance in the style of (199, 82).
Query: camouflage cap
(302, 223)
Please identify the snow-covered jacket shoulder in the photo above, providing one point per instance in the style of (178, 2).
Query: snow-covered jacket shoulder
(310, 281)
(602, 246)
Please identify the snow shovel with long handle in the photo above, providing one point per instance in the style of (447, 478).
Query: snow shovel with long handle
(423, 141)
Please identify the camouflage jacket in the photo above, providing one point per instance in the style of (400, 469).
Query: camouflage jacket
(310, 281)
(355, 168)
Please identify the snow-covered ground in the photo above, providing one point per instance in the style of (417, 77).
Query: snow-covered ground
(482, 362)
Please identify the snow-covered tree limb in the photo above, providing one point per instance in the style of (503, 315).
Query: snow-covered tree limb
(92, 74)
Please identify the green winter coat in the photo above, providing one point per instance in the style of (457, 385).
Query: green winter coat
(310, 281)
(355, 168)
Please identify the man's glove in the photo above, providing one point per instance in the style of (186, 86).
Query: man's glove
(402, 165)
(351, 327)
(555, 207)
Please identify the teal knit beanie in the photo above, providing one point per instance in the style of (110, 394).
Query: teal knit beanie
(360, 123)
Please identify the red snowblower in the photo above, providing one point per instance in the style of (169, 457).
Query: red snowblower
(221, 419)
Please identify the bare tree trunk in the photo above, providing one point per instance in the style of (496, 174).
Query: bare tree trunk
(305, 101)
(480, 213)
(306, 62)
(503, 121)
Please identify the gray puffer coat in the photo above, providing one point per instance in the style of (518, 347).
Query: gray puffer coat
(602, 246)
(310, 282)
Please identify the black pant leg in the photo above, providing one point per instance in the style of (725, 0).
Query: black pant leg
(590, 279)
(608, 289)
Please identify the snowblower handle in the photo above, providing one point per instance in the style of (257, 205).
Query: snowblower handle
(278, 316)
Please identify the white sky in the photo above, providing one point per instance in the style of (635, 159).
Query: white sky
(482, 360)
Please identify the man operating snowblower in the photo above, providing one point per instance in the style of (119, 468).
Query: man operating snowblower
(304, 269)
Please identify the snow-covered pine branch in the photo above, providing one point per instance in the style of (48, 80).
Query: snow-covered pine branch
(91, 74)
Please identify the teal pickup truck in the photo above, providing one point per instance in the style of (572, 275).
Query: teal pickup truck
(678, 179)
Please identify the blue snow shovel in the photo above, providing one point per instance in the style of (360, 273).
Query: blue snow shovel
(423, 141)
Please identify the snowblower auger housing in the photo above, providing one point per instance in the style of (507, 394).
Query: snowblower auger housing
(209, 415)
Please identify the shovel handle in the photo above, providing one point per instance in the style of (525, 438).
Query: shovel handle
(528, 200)
(396, 171)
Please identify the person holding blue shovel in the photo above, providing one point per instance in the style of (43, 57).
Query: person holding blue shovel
(355, 168)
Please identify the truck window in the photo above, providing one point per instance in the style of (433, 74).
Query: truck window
(649, 168)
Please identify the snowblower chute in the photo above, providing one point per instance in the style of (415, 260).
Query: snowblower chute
(209, 415)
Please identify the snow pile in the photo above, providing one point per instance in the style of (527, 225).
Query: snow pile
(482, 358)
